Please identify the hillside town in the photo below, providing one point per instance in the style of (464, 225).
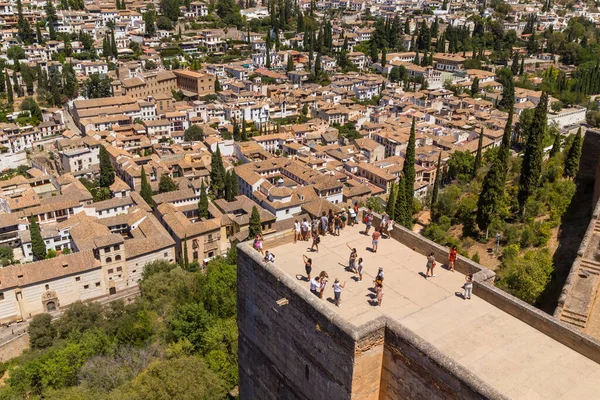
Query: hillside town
(136, 132)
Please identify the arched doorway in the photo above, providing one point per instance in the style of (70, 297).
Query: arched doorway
(50, 306)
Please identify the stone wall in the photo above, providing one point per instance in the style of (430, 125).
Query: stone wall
(303, 350)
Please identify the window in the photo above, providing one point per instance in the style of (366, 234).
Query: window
(47, 287)
(106, 249)
(108, 259)
(119, 269)
(117, 247)
(97, 284)
(86, 286)
(134, 271)
(110, 271)
(166, 255)
(117, 258)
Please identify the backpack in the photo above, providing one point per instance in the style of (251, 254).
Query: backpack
(378, 280)
(318, 239)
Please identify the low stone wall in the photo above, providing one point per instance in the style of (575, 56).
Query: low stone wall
(14, 348)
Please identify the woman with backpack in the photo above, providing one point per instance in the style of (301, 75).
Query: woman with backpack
(352, 259)
(430, 266)
(316, 240)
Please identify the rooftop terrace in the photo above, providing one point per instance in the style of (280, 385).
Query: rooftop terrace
(508, 354)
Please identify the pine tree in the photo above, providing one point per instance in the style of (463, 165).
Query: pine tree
(390, 207)
(532, 159)
(573, 157)
(555, 145)
(478, 156)
(203, 202)
(255, 225)
(408, 170)
(146, 190)
(436, 187)
(107, 171)
(38, 247)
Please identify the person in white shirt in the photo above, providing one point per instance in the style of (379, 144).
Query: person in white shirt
(296, 231)
(315, 286)
(269, 257)
(337, 291)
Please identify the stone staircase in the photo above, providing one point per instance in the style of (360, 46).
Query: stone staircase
(573, 318)
(597, 226)
(590, 266)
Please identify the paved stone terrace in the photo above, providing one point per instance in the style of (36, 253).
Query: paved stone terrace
(510, 355)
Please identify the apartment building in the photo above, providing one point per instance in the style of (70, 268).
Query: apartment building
(195, 83)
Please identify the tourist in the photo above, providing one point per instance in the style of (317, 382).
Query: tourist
(324, 223)
(379, 277)
(305, 229)
(307, 266)
(315, 285)
(323, 278)
(389, 228)
(337, 222)
(368, 222)
(452, 258)
(352, 259)
(344, 218)
(355, 212)
(269, 257)
(258, 243)
(297, 231)
(468, 286)
(375, 241)
(383, 224)
(379, 293)
(316, 239)
(330, 218)
(337, 291)
(352, 219)
(430, 266)
(360, 269)
(315, 225)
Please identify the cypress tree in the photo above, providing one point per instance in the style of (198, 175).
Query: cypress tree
(555, 146)
(300, 22)
(107, 171)
(146, 190)
(390, 207)
(383, 57)
(234, 184)
(492, 189)
(573, 157)
(532, 159)
(186, 259)
(25, 32)
(227, 186)
(478, 156)
(217, 85)
(401, 211)
(475, 87)
(2, 81)
(217, 174)
(9, 91)
(38, 247)
(203, 202)
(290, 64)
(522, 67)
(408, 169)
(436, 187)
(255, 225)
(514, 68)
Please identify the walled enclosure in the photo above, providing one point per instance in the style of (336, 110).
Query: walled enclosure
(304, 350)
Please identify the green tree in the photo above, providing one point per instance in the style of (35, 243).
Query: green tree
(203, 202)
(167, 184)
(475, 87)
(96, 87)
(390, 207)
(24, 28)
(38, 247)
(233, 190)
(186, 259)
(193, 134)
(573, 157)
(9, 91)
(218, 87)
(494, 182)
(290, 64)
(525, 277)
(555, 145)
(41, 331)
(531, 168)
(107, 171)
(255, 225)
(149, 18)
(217, 174)
(29, 104)
(401, 213)
(436, 187)
(229, 12)
(478, 157)
(146, 190)
(408, 171)
(70, 81)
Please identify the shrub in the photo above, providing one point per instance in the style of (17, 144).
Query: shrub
(475, 257)
(528, 237)
(526, 277)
